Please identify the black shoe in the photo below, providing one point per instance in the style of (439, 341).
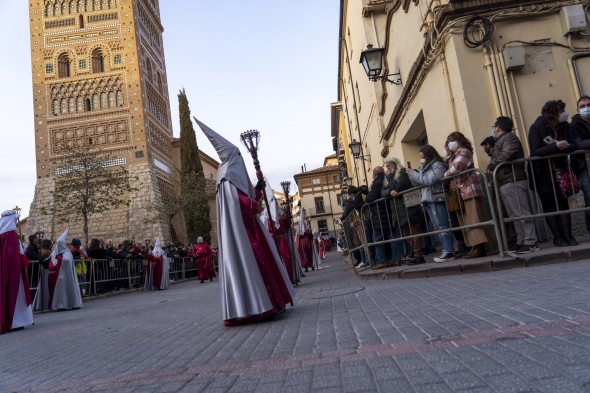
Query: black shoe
(211, 279)
(462, 252)
(525, 249)
(476, 252)
(570, 241)
(202, 281)
(416, 261)
(559, 242)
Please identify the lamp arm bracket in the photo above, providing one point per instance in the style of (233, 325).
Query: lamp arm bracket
(396, 81)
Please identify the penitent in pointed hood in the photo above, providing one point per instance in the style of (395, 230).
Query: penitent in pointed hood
(232, 166)
(60, 246)
(157, 251)
(275, 210)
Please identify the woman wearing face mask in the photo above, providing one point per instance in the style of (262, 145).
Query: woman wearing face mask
(549, 135)
(470, 193)
(433, 197)
(580, 132)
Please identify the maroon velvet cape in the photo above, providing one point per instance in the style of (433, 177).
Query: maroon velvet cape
(276, 287)
(13, 267)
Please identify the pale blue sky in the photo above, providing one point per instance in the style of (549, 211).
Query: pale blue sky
(266, 65)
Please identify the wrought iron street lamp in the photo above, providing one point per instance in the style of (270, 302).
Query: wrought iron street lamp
(372, 61)
(355, 148)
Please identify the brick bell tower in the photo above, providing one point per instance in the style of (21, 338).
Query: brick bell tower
(99, 80)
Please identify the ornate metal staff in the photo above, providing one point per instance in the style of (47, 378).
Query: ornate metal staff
(250, 140)
(294, 269)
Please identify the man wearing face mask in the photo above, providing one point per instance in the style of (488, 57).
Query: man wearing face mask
(512, 182)
(580, 132)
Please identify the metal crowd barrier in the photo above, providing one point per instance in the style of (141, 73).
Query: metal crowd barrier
(378, 216)
(108, 275)
(533, 201)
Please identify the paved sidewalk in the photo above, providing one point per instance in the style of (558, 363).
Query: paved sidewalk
(548, 254)
(518, 330)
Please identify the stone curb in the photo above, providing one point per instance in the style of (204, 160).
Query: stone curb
(548, 255)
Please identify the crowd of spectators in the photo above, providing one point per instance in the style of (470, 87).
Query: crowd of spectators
(460, 199)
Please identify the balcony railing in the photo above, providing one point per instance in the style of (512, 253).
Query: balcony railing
(320, 212)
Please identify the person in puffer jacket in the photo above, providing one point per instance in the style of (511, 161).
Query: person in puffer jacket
(429, 176)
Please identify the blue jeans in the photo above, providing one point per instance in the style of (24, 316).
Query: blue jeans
(584, 181)
(437, 212)
(380, 234)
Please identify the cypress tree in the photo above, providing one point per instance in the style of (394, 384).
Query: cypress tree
(193, 185)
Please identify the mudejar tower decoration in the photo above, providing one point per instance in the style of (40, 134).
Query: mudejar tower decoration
(99, 80)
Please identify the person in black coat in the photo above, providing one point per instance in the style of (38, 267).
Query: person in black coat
(380, 217)
(354, 202)
(32, 251)
(550, 135)
(580, 132)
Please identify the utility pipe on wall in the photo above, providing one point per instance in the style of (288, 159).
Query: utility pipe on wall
(447, 79)
(505, 82)
(489, 68)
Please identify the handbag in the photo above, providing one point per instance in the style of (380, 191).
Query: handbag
(453, 200)
(567, 182)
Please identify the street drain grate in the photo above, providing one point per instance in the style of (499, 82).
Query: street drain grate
(331, 293)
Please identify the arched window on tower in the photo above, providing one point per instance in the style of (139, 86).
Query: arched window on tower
(63, 65)
(148, 67)
(87, 105)
(81, 21)
(55, 107)
(47, 9)
(97, 61)
(160, 85)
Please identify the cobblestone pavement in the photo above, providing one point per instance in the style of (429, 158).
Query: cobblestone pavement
(519, 330)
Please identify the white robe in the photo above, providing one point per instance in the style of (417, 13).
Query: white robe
(67, 289)
(165, 283)
(23, 314)
(66, 295)
(243, 292)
